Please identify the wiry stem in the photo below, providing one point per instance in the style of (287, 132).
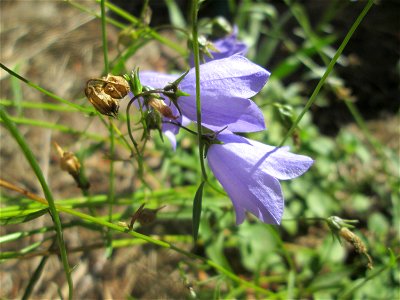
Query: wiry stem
(196, 56)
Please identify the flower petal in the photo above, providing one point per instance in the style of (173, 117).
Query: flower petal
(236, 119)
(156, 80)
(225, 86)
(232, 77)
(250, 190)
(226, 46)
(277, 162)
(171, 137)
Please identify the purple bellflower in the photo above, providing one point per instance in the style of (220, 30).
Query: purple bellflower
(226, 86)
(227, 46)
(249, 172)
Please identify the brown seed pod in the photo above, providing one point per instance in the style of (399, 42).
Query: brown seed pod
(68, 161)
(160, 106)
(144, 216)
(116, 86)
(102, 102)
(106, 92)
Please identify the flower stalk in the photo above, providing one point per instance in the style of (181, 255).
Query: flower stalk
(196, 55)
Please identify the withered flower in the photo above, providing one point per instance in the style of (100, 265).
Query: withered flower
(106, 92)
(340, 229)
(116, 86)
(145, 216)
(70, 163)
(102, 102)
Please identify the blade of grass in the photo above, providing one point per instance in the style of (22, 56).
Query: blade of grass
(46, 190)
(17, 91)
(88, 11)
(328, 70)
(40, 105)
(104, 35)
(46, 92)
(146, 238)
(62, 128)
(152, 33)
(36, 275)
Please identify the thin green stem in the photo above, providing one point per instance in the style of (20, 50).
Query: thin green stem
(164, 245)
(104, 223)
(195, 8)
(104, 36)
(36, 275)
(135, 144)
(328, 69)
(111, 189)
(151, 32)
(59, 127)
(37, 105)
(88, 11)
(46, 92)
(46, 190)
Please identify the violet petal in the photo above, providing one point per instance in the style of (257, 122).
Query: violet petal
(249, 172)
(254, 191)
(156, 80)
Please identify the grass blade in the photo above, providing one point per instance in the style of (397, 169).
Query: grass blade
(197, 210)
(329, 69)
(46, 190)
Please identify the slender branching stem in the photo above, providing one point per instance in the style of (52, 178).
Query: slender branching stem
(329, 69)
(196, 55)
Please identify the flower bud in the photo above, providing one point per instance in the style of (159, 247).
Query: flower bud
(160, 106)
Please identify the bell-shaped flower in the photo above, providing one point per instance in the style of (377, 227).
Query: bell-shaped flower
(226, 86)
(250, 171)
(222, 48)
(228, 46)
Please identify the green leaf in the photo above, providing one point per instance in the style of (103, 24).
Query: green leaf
(22, 216)
(197, 210)
(175, 14)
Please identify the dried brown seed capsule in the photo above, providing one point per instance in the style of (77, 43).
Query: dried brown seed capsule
(148, 216)
(102, 102)
(68, 162)
(106, 92)
(144, 216)
(160, 106)
(116, 86)
(357, 243)
(353, 239)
